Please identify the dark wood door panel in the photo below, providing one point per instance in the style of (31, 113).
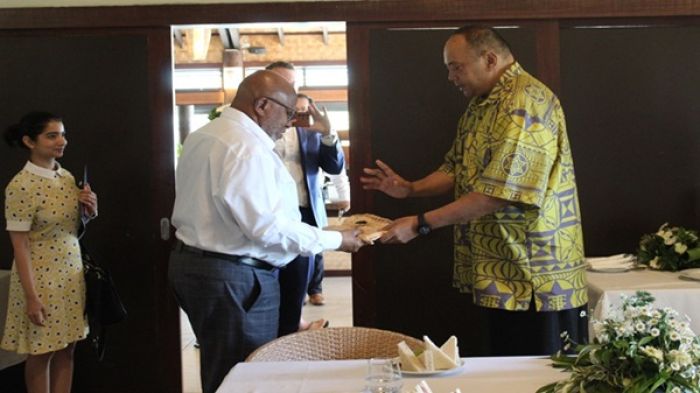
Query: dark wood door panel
(632, 112)
(113, 90)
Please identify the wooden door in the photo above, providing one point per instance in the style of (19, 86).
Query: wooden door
(630, 96)
(114, 91)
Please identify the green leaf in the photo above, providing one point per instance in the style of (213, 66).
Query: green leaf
(547, 388)
(694, 254)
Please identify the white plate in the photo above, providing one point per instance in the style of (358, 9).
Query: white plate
(433, 373)
(690, 274)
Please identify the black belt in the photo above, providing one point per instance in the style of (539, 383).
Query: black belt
(247, 261)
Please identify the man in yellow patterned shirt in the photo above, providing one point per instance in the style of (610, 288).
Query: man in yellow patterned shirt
(517, 227)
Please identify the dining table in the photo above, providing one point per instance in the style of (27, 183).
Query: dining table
(7, 358)
(476, 374)
(668, 288)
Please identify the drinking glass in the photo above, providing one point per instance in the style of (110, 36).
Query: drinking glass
(383, 376)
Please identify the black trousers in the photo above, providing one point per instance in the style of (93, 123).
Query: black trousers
(523, 333)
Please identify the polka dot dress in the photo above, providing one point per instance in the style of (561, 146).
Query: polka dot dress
(45, 203)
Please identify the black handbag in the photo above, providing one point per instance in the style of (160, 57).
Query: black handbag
(103, 305)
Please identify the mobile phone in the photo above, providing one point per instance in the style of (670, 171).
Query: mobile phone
(85, 176)
(303, 119)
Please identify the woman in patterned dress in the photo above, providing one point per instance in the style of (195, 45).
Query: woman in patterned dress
(43, 207)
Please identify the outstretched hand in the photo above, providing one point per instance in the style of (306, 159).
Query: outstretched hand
(384, 179)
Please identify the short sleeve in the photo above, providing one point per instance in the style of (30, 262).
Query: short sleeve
(19, 207)
(521, 162)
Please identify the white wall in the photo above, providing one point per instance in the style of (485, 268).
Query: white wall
(100, 3)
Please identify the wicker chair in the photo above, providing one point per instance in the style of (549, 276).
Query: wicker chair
(333, 344)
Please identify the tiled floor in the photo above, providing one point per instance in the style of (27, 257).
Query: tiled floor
(337, 310)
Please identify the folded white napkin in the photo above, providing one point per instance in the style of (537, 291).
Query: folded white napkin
(625, 261)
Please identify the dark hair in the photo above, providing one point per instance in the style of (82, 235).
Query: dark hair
(280, 64)
(302, 95)
(481, 38)
(32, 124)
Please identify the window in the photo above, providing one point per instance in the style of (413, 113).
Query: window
(315, 76)
(197, 79)
(325, 76)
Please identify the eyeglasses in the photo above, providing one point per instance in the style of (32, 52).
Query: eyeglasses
(291, 112)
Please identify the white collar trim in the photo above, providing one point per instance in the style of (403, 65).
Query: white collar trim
(43, 172)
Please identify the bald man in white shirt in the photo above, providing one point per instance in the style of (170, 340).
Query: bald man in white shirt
(237, 220)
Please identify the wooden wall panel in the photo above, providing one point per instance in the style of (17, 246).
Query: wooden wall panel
(118, 118)
(632, 112)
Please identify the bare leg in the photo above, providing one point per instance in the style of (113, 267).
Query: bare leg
(36, 373)
(62, 370)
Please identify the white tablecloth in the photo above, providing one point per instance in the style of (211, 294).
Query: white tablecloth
(7, 359)
(604, 290)
(483, 375)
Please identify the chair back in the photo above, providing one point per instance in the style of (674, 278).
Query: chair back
(335, 343)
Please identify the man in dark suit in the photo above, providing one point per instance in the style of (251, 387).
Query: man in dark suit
(307, 152)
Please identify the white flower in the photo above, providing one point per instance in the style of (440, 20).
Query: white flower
(598, 328)
(632, 312)
(679, 357)
(672, 348)
(652, 352)
(667, 235)
(654, 263)
(680, 248)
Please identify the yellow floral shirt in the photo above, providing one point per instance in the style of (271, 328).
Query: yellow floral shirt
(513, 145)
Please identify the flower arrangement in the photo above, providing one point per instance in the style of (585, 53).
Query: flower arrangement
(638, 349)
(670, 248)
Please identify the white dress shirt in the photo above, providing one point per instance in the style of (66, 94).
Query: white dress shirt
(235, 196)
(289, 150)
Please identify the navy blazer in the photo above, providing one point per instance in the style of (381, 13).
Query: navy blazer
(315, 155)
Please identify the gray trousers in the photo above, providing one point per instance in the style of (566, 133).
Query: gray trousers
(233, 309)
